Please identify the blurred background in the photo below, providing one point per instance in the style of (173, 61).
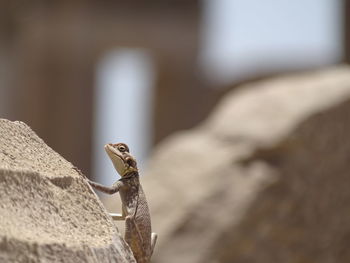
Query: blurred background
(84, 73)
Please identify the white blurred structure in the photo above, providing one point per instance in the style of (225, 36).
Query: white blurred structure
(244, 37)
(123, 99)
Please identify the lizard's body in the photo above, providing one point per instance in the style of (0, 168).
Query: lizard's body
(138, 232)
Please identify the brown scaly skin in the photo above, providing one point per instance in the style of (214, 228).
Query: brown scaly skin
(135, 212)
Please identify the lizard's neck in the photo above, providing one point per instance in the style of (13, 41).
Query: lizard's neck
(130, 175)
(131, 179)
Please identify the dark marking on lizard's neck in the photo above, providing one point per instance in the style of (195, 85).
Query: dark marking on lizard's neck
(131, 180)
(132, 176)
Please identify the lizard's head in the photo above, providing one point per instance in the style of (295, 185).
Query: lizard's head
(121, 158)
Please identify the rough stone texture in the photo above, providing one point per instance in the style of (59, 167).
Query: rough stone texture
(264, 179)
(48, 213)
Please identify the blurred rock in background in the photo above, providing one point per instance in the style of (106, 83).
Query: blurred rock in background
(264, 179)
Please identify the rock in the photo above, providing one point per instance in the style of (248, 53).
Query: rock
(48, 213)
(264, 179)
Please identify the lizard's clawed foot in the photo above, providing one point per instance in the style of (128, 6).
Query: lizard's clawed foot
(154, 237)
(116, 216)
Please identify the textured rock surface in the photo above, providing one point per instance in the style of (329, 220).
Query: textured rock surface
(48, 213)
(265, 179)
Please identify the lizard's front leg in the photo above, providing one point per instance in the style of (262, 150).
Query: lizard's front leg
(106, 189)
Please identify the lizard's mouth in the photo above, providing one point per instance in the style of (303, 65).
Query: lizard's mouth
(117, 159)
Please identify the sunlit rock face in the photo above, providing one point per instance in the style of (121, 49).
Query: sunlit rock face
(48, 213)
(264, 179)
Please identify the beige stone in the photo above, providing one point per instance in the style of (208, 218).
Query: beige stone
(48, 213)
(264, 179)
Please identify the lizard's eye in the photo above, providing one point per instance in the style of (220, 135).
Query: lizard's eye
(121, 148)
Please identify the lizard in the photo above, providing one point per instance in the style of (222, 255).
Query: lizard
(135, 211)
